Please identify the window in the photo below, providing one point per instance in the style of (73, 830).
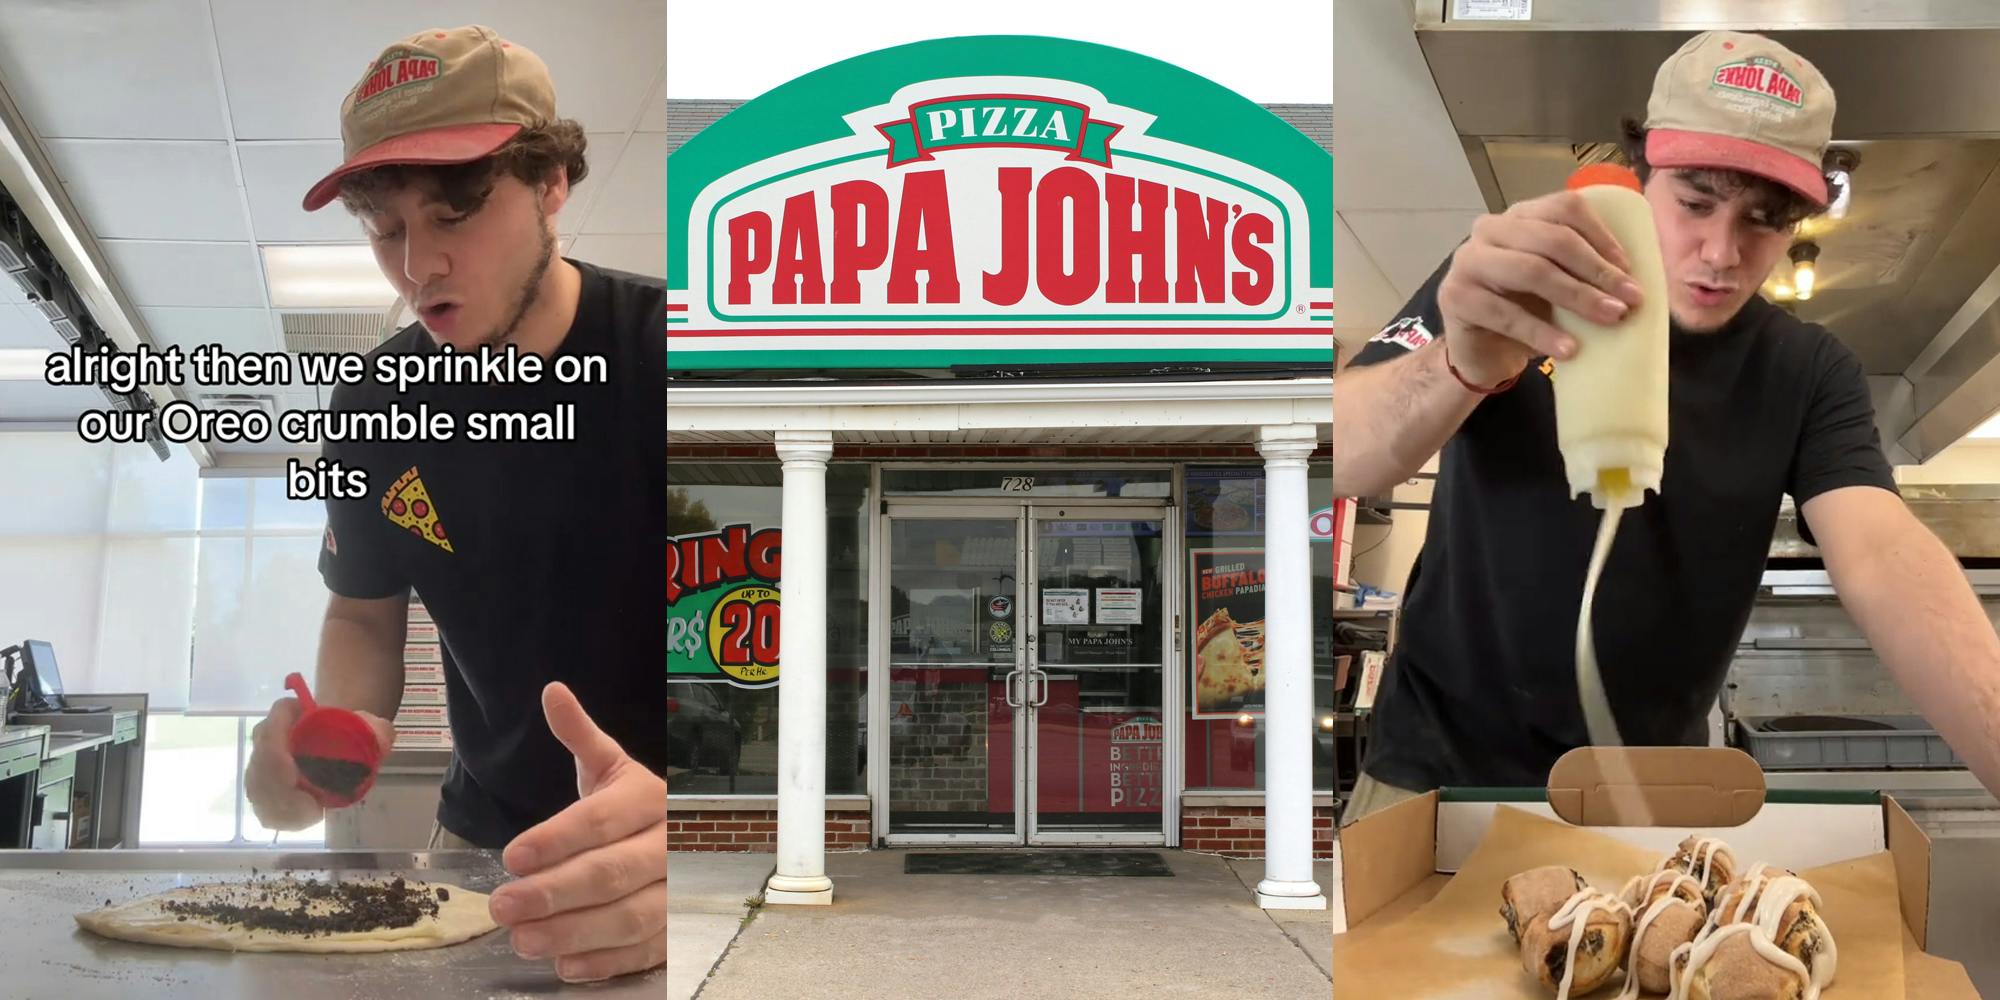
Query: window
(193, 792)
(258, 595)
(257, 606)
(722, 736)
(1226, 513)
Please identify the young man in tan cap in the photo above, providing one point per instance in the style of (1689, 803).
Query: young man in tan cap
(538, 560)
(1482, 687)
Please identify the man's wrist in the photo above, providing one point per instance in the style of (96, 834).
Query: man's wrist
(1470, 376)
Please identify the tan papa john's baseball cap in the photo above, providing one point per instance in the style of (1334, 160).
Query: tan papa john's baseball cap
(443, 96)
(1739, 101)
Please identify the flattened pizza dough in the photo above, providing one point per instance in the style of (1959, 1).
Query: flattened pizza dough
(461, 916)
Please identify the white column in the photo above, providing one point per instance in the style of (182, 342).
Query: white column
(1288, 682)
(801, 875)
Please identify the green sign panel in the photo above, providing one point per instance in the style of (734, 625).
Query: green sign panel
(998, 200)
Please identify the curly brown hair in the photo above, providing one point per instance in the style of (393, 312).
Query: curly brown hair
(1782, 206)
(530, 157)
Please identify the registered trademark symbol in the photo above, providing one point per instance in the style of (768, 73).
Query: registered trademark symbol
(1299, 310)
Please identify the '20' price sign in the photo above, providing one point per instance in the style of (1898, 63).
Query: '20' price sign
(743, 634)
(728, 633)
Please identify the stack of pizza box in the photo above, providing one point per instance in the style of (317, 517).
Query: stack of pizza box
(420, 721)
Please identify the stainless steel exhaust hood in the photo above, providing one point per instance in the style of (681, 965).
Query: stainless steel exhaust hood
(1910, 278)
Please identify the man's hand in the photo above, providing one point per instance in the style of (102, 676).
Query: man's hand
(592, 892)
(271, 779)
(1495, 300)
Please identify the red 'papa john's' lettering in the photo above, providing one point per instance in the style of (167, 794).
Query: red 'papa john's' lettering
(1059, 233)
(923, 244)
(731, 555)
(1201, 232)
(395, 73)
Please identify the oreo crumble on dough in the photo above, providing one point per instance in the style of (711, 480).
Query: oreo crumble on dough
(311, 908)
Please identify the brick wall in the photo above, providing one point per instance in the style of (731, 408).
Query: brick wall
(756, 830)
(937, 762)
(1235, 831)
(1238, 831)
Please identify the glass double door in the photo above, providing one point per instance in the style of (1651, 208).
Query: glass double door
(1026, 677)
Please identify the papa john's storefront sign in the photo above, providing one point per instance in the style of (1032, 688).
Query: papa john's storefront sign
(998, 201)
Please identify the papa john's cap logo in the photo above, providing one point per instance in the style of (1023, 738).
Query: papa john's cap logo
(395, 69)
(1762, 76)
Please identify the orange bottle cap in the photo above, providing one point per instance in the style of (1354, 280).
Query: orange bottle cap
(1605, 173)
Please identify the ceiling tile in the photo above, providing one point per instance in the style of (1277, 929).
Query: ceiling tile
(601, 63)
(1409, 246)
(634, 198)
(277, 175)
(644, 253)
(25, 326)
(601, 152)
(112, 70)
(186, 274)
(238, 331)
(152, 189)
(30, 400)
(655, 117)
(1362, 297)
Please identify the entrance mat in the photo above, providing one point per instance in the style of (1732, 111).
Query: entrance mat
(1098, 864)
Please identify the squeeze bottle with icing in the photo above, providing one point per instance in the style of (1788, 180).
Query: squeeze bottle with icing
(1611, 405)
(1611, 399)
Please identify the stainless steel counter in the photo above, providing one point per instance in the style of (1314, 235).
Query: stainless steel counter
(1965, 907)
(47, 957)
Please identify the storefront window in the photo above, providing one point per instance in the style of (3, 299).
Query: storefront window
(722, 627)
(1225, 564)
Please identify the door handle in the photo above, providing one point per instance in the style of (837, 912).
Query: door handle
(1012, 701)
(1043, 677)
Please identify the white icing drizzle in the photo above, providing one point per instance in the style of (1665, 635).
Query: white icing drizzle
(1658, 907)
(1705, 850)
(1598, 720)
(1640, 888)
(1576, 912)
(1778, 896)
(1703, 948)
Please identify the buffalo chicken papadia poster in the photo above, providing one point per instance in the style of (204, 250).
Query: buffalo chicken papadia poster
(1227, 664)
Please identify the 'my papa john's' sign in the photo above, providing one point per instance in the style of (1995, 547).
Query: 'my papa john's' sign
(998, 201)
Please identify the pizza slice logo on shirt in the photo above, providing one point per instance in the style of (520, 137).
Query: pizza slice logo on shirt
(332, 547)
(408, 505)
(1409, 333)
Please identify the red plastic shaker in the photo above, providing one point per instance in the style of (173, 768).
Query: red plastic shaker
(336, 750)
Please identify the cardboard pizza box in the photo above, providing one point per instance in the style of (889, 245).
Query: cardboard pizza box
(423, 673)
(1400, 858)
(423, 694)
(423, 738)
(421, 717)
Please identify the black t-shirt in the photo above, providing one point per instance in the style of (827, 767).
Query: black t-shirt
(1482, 685)
(553, 571)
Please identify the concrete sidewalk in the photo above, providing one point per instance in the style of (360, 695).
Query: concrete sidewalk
(891, 936)
(708, 897)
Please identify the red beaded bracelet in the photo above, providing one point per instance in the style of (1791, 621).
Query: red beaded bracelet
(1496, 390)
